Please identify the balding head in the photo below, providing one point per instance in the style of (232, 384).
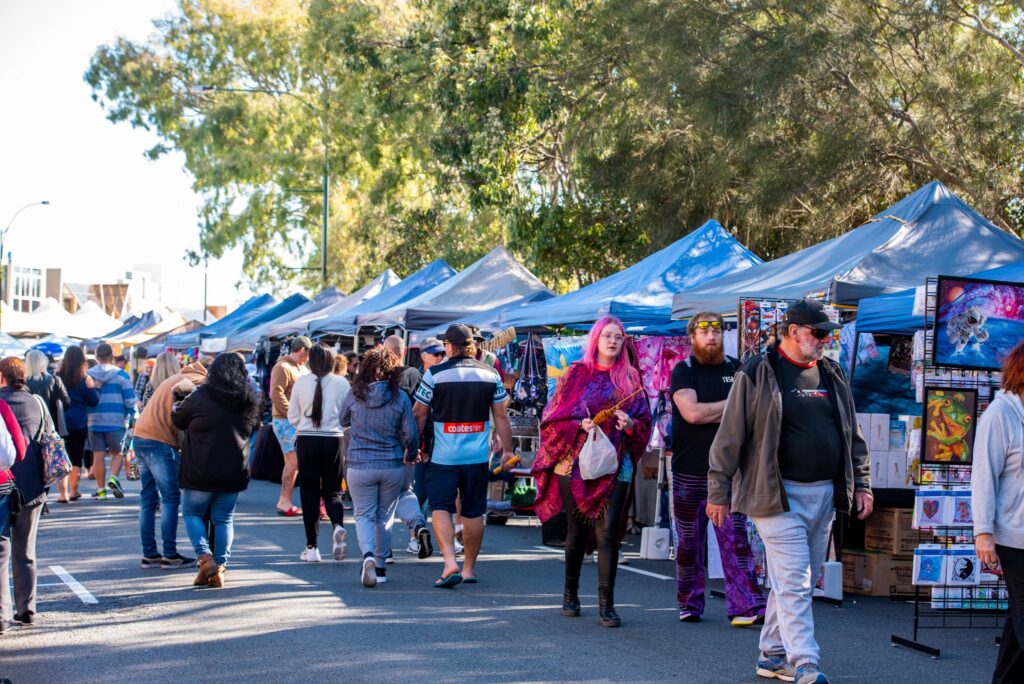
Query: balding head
(395, 345)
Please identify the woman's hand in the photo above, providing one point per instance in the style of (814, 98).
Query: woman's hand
(587, 424)
(89, 382)
(623, 421)
(985, 545)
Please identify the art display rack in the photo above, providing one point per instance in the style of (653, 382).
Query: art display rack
(948, 611)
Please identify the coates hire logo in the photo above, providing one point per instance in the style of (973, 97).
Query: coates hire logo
(462, 428)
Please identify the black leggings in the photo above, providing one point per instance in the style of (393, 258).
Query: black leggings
(1010, 661)
(319, 478)
(75, 445)
(606, 530)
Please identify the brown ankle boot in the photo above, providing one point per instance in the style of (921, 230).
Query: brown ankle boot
(217, 577)
(206, 568)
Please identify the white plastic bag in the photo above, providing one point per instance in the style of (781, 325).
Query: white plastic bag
(598, 456)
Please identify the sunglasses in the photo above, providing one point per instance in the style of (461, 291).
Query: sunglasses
(704, 325)
(818, 334)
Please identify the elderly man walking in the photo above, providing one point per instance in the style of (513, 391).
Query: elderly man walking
(789, 431)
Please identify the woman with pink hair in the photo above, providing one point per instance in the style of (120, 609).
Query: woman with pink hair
(603, 380)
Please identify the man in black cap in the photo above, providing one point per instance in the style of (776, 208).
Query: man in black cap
(462, 394)
(790, 432)
(482, 355)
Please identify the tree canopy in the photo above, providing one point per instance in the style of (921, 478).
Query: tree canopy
(584, 134)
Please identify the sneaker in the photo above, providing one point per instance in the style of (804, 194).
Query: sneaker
(114, 485)
(177, 561)
(25, 618)
(688, 616)
(100, 494)
(808, 673)
(369, 572)
(150, 563)
(458, 547)
(382, 575)
(413, 547)
(389, 559)
(622, 558)
(774, 667)
(310, 555)
(747, 620)
(423, 537)
(339, 538)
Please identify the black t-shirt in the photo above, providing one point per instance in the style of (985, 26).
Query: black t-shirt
(692, 443)
(809, 445)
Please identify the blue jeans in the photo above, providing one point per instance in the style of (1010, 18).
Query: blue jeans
(221, 508)
(158, 471)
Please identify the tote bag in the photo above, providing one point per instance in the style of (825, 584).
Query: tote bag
(56, 463)
(598, 456)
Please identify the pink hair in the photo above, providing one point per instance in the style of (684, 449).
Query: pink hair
(624, 376)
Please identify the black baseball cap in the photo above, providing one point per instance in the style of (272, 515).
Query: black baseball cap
(809, 312)
(477, 335)
(460, 335)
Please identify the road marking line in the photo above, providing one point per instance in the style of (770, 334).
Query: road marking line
(621, 567)
(73, 584)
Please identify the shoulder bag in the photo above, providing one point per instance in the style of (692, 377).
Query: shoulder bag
(56, 463)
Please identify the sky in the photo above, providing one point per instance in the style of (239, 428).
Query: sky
(111, 207)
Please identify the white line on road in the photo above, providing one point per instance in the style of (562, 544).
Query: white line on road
(73, 584)
(621, 567)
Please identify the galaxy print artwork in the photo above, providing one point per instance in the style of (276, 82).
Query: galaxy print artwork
(977, 322)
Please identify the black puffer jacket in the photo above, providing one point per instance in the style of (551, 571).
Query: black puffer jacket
(52, 390)
(216, 436)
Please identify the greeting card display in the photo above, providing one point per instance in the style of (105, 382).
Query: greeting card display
(961, 512)
(962, 567)
(977, 322)
(949, 418)
(929, 564)
(758, 324)
(930, 507)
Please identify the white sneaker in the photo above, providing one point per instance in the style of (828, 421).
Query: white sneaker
(310, 555)
(622, 558)
(369, 573)
(413, 547)
(458, 547)
(340, 543)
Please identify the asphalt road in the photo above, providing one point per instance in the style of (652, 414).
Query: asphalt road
(281, 620)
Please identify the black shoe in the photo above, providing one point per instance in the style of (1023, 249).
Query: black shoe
(114, 485)
(423, 537)
(570, 598)
(150, 563)
(177, 561)
(606, 607)
(25, 618)
(46, 508)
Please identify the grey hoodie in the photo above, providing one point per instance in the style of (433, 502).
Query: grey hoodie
(117, 398)
(997, 480)
(382, 428)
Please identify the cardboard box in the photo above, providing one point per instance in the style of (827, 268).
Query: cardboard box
(872, 573)
(889, 530)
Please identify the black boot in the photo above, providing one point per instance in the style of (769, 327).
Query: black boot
(571, 598)
(606, 607)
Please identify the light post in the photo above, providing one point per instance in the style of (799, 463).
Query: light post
(3, 239)
(325, 178)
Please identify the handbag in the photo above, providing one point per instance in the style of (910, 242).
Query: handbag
(56, 463)
(62, 423)
(598, 456)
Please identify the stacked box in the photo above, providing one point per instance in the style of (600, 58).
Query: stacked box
(873, 573)
(889, 530)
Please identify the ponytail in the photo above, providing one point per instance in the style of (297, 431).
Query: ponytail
(316, 411)
(321, 362)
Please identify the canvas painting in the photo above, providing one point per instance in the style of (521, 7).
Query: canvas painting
(977, 322)
(949, 418)
(900, 353)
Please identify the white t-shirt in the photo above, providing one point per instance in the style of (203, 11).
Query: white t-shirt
(334, 389)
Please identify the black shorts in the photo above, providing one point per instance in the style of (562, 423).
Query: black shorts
(74, 444)
(468, 482)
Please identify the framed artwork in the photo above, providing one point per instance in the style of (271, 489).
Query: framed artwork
(929, 564)
(977, 322)
(901, 351)
(949, 418)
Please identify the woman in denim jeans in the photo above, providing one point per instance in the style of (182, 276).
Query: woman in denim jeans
(218, 419)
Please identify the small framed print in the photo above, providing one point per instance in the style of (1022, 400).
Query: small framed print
(929, 564)
(930, 507)
(962, 566)
(961, 512)
(948, 425)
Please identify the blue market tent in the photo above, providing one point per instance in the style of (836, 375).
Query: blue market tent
(423, 280)
(488, 321)
(892, 314)
(494, 280)
(929, 231)
(140, 324)
(382, 283)
(247, 334)
(321, 301)
(127, 324)
(225, 326)
(643, 292)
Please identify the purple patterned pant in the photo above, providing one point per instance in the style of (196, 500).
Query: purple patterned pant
(742, 594)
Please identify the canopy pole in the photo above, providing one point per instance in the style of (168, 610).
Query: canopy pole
(853, 359)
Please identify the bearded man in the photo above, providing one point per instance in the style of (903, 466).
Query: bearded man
(700, 385)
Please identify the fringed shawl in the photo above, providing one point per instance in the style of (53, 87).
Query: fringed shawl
(578, 391)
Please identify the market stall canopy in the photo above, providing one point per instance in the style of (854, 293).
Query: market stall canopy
(488, 321)
(171, 321)
(893, 314)
(245, 336)
(382, 283)
(49, 318)
(153, 346)
(423, 280)
(10, 346)
(643, 292)
(54, 345)
(321, 301)
(225, 326)
(494, 280)
(929, 231)
(91, 321)
(11, 320)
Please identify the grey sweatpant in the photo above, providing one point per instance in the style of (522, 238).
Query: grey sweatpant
(795, 544)
(408, 505)
(20, 547)
(374, 498)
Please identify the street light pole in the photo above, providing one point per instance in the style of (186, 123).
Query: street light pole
(3, 239)
(325, 177)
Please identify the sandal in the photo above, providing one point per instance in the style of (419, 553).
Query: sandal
(292, 512)
(448, 582)
(469, 580)
(75, 497)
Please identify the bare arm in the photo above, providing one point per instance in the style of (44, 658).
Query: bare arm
(420, 411)
(504, 429)
(695, 412)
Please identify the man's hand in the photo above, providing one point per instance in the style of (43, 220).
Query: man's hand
(424, 457)
(718, 514)
(505, 458)
(985, 545)
(865, 504)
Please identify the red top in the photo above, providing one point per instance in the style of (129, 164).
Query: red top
(16, 437)
(796, 363)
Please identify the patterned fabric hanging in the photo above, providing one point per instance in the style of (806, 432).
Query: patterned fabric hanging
(530, 389)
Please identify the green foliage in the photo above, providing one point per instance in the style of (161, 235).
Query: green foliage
(582, 133)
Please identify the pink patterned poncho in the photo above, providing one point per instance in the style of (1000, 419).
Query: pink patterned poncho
(561, 436)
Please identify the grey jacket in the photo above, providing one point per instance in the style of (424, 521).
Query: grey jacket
(996, 492)
(744, 455)
(381, 429)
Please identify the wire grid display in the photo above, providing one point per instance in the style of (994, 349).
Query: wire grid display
(943, 606)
